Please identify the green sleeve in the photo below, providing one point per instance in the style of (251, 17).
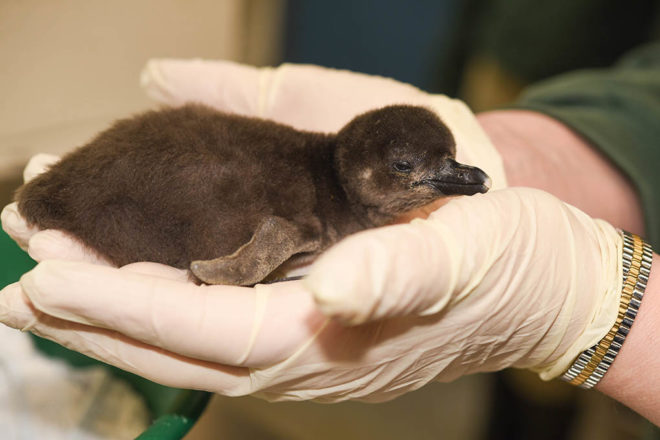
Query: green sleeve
(618, 111)
(534, 39)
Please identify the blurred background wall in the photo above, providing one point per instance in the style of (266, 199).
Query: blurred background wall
(69, 67)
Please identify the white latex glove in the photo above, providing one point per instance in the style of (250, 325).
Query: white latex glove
(511, 278)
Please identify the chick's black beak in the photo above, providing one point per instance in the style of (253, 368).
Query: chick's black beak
(454, 178)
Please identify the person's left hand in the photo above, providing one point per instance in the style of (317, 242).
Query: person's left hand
(510, 278)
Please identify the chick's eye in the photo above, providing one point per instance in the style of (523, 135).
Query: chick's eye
(402, 166)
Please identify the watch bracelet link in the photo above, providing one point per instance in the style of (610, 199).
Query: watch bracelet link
(592, 364)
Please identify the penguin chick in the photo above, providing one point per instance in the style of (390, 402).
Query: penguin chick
(232, 198)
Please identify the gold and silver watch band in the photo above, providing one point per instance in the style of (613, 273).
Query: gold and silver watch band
(593, 363)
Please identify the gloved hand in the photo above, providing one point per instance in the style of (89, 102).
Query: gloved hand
(511, 278)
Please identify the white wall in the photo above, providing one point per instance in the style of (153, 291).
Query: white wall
(70, 67)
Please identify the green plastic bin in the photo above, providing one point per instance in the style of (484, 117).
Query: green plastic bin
(173, 411)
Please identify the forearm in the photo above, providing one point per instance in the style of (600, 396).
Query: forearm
(632, 379)
(541, 152)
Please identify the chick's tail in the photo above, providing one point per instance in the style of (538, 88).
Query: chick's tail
(42, 202)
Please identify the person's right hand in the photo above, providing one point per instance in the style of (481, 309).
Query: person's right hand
(515, 278)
